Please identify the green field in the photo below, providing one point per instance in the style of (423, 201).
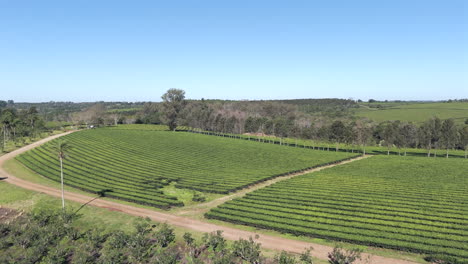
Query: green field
(414, 112)
(329, 146)
(136, 163)
(404, 203)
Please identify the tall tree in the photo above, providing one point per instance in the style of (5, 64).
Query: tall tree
(351, 135)
(6, 118)
(408, 133)
(429, 135)
(62, 152)
(425, 137)
(337, 133)
(173, 104)
(436, 133)
(389, 135)
(363, 133)
(449, 134)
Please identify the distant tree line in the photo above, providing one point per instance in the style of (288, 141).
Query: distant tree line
(17, 125)
(325, 120)
(284, 120)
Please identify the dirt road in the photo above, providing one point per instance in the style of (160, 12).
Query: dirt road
(267, 241)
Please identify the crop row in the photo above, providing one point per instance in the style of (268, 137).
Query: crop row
(140, 162)
(411, 204)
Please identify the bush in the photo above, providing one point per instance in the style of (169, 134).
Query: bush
(197, 197)
(343, 256)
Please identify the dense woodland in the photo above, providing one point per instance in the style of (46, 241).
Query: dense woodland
(324, 120)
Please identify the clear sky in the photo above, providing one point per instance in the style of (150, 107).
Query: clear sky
(136, 50)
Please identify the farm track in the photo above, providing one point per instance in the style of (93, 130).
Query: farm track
(267, 241)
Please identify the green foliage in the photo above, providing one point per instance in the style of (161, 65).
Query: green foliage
(215, 241)
(136, 164)
(343, 256)
(285, 258)
(305, 256)
(173, 104)
(405, 203)
(247, 250)
(197, 197)
(165, 235)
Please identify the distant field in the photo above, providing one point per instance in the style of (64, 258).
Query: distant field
(415, 112)
(404, 203)
(145, 127)
(136, 162)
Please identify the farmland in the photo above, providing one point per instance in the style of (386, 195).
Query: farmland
(134, 163)
(413, 112)
(411, 203)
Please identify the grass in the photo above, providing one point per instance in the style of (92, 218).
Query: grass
(414, 112)
(407, 203)
(186, 195)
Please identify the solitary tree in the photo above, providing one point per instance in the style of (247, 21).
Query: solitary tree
(173, 104)
(62, 150)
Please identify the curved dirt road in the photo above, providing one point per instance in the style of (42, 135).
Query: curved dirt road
(267, 241)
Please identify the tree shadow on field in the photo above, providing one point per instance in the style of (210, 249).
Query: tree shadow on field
(101, 193)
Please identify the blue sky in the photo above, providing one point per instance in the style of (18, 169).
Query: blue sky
(136, 50)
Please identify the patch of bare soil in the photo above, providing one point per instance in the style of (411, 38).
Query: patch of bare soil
(7, 214)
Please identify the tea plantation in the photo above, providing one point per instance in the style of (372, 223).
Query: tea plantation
(406, 203)
(134, 162)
